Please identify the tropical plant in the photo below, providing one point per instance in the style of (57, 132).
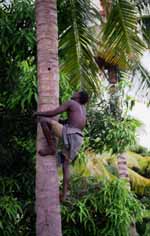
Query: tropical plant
(120, 49)
(18, 49)
(106, 133)
(144, 10)
(77, 43)
(12, 213)
(25, 93)
(17, 131)
(99, 208)
(105, 165)
(121, 41)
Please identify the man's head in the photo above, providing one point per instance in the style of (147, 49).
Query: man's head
(82, 97)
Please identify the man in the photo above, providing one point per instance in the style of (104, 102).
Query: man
(70, 133)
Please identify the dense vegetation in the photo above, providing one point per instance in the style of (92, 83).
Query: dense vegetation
(95, 206)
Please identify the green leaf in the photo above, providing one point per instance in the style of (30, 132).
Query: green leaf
(120, 41)
(77, 46)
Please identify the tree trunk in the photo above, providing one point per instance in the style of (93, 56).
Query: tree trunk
(122, 160)
(105, 7)
(115, 110)
(112, 74)
(48, 221)
(122, 168)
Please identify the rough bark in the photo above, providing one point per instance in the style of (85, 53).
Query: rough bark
(105, 7)
(122, 161)
(122, 167)
(48, 218)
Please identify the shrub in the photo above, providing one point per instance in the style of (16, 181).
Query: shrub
(99, 208)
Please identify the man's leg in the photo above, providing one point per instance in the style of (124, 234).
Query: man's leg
(66, 176)
(66, 173)
(50, 129)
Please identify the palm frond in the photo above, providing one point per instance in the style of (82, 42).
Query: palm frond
(144, 19)
(77, 46)
(120, 40)
(97, 167)
(143, 6)
(138, 182)
(106, 166)
(145, 28)
(106, 7)
(141, 79)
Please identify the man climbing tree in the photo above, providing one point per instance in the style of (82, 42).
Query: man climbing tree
(48, 217)
(71, 132)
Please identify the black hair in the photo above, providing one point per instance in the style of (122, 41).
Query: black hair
(84, 97)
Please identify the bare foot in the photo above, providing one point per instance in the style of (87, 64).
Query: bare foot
(46, 152)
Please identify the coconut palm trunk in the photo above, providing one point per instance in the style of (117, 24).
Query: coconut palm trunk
(105, 7)
(105, 10)
(115, 110)
(122, 160)
(112, 77)
(48, 219)
(122, 167)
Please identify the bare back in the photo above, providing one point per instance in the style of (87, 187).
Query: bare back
(76, 115)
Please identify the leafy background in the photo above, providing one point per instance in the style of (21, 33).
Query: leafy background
(89, 209)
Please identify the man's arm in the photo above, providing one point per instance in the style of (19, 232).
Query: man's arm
(64, 107)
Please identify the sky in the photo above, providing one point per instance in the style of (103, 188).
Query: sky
(142, 112)
(146, 60)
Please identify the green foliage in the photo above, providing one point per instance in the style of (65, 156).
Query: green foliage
(66, 89)
(105, 208)
(144, 227)
(106, 133)
(8, 185)
(17, 215)
(141, 150)
(147, 230)
(121, 32)
(144, 10)
(24, 144)
(83, 214)
(17, 30)
(11, 213)
(25, 94)
(146, 28)
(17, 45)
(125, 37)
(18, 94)
(121, 208)
(16, 204)
(77, 44)
(143, 76)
